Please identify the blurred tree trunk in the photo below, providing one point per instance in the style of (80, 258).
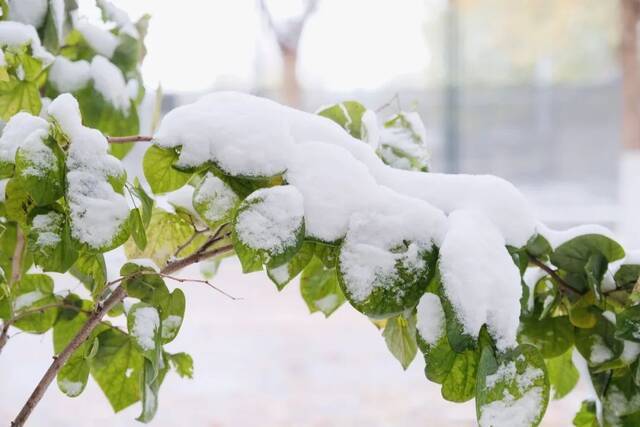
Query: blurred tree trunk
(629, 14)
(287, 32)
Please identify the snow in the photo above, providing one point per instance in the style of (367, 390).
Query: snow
(511, 412)
(69, 76)
(109, 81)
(221, 128)
(370, 255)
(119, 16)
(16, 34)
(271, 219)
(170, 326)
(97, 211)
(216, 196)
(406, 135)
(26, 300)
(70, 388)
(3, 186)
(630, 352)
(144, 262)
(430, 318)
(508, 372)
(600, 353)
(16, 131)
(30, 12)
(3, 61)
(58, 12)
(40, 157)
(327, 303)
(46, 225)
(480, 278)
(558, 237)
(99, 39)
(146, 322)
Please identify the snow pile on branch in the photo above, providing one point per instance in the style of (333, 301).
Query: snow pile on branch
(16, 34)
(385, 215)
(113, 13)
(98, 212)
(480, 278)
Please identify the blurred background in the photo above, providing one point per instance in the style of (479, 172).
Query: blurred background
(545, 93)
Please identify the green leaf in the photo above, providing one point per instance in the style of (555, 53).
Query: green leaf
(150, 388)
(553, 336)
(214, 200)
(91, 270)
(396, 292)
(145, 284)
(595, 269)
(320, 289)
(598, 345)
(159, 171)
(17, 95)
(173, 316)
(538, 246)
(512, 387)
(183, 364)
(628, 324)
(18, 202)
(284, 243)
(285, 273)
(165, 234)
(586, 416)
(400, 336)
(627, 275)
(348, 115)
(563, 375)
(117, 368)
(34, 291)
(573, 255)
(137, 229)
(73, 376)
(40, 170)
(455, 371)
(145, 200)
(50, 240)
(402, 142)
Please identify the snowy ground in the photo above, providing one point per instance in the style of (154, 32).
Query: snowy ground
(261, 361)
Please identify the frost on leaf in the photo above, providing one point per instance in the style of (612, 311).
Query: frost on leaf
(213, 199)
(403, 142)
(387, 258)
(513, 389)
(270, 222)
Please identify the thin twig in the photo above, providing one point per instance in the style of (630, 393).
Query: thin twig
(94, 320)
(206, 282)
(126, 139)
(562, 284)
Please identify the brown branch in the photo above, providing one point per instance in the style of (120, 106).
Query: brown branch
(560, 282)
(94, 319)
(126, 139)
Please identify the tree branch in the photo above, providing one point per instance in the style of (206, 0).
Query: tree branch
(94, 319)
(562, 284)
(126, 139)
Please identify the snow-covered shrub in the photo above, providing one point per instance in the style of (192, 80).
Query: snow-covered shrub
(456, 266)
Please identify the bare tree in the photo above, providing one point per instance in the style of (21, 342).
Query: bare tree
(630, 14)
(287, 33)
